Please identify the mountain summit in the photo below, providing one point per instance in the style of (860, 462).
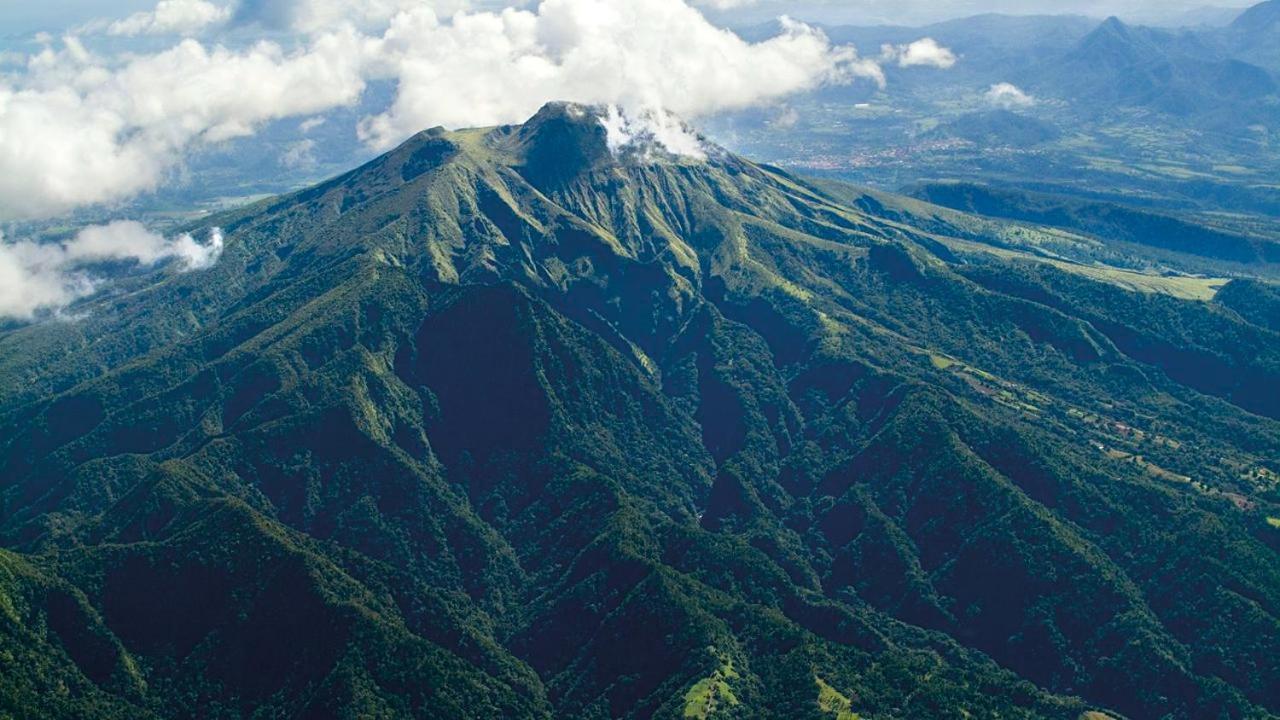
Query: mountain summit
(529, 422)
(1115, 44)
(563, 141)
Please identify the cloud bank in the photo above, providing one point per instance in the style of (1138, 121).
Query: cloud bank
(491, 68)
(40, 277)
(81, 129)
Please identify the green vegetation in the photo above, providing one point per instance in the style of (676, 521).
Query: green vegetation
(502, 425)
(711, 693)
(830, 701)
(942, 363)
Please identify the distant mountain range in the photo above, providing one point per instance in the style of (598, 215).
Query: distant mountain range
(517, 422)
(1221, 75)
(1178, 73)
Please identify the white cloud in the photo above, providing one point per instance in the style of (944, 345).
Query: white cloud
(310, 124)
(301, 154)
(46, 277)
(925, 52)
(788, 118)
(172, 17)
(30, 280)
(1008, 96)
(128, 240)
(80, 131)
(648, 128)
(492, 68)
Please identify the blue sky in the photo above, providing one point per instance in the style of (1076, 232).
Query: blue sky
(25, 16)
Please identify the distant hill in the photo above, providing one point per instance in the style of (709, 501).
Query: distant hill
(997, 128)
(1101, 219)
(1259, 19)
(1255, 35)
(1257, 301)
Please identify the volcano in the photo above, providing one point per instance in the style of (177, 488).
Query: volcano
(531, 422)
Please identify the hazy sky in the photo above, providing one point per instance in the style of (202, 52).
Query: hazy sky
(24, 16)
(924, 11)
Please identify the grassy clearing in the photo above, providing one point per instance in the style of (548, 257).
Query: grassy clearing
(1000, 391)
(942, 363)
(710, 693)
(1152, 469)
(1174, 171)
(1185, 288)
(1163, 474)
(833, 702)
(1274, 522)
